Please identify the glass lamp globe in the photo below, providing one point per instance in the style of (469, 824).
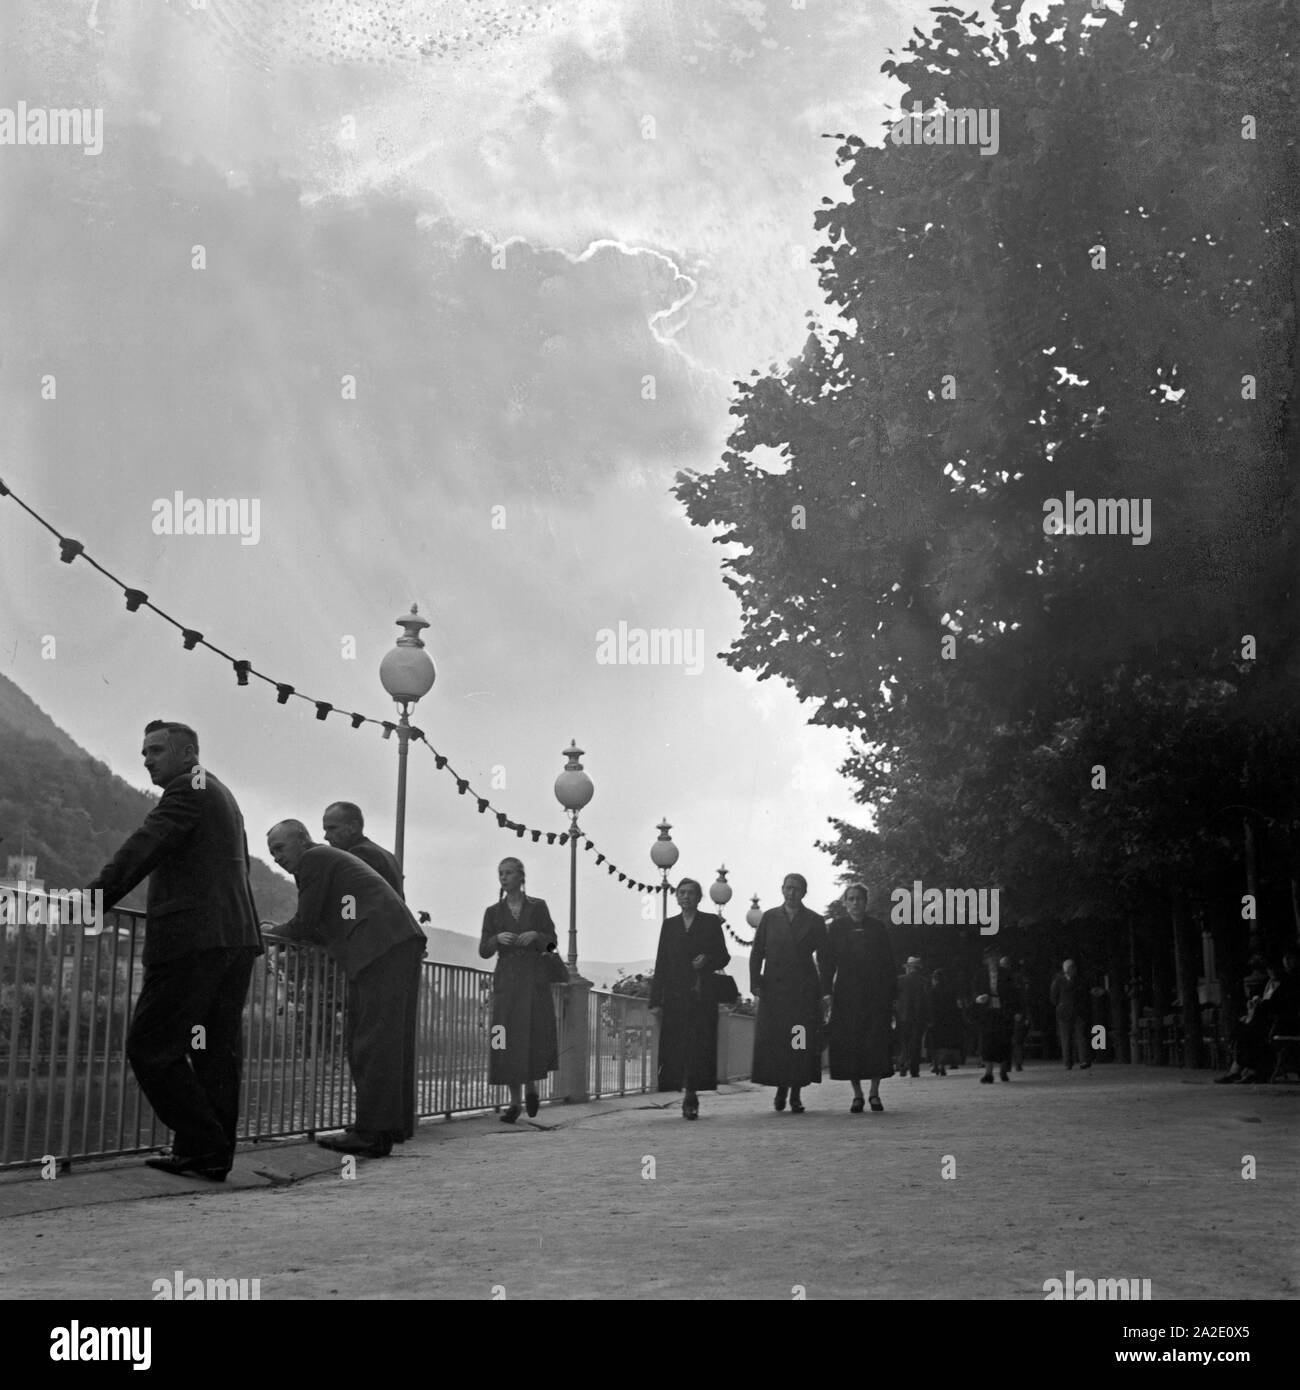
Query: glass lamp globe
(407, 671)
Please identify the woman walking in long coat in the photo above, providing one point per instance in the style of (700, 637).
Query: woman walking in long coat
(518, 930)
(859, 975)
(998, 1006)
(947, 1032)
(784, 978)
(681, 998)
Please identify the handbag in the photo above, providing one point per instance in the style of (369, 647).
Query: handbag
(725, 990)
(555, 971)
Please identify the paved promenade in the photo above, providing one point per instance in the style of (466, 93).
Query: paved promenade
(1114, 1173)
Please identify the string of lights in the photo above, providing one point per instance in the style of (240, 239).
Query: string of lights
(70, 550)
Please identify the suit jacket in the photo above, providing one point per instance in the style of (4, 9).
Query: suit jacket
(381, 861)
(674, 975)
(1065, 994)
(913, 999)
(193, 848)
(346, 907)
(808, 931)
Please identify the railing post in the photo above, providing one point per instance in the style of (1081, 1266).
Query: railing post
(575, 1042)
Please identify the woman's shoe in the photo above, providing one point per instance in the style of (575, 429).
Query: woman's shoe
(876, 1103)
(779, 1102)
(796, 1106)
(691, 1108)
(858, 1106)
(510, 1115)
(531, 1103)
(986, 1079)
(1004, 1074)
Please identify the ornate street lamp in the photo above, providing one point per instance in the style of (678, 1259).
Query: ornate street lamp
(407, 673)
(663, 854)
(573, 789)
(720, 892)
(755, 914)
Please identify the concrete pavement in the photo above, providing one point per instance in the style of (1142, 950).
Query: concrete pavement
(1113, 1173)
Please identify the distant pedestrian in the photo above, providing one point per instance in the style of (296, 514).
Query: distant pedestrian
(682, 998)
(784, 979)
(344, 828)
(1020, 1030)
(518, 930)
(858, 974)
(1070, 1001)
(998, 1005)
(913, 1016)
(346, 907)
(201, 939)
(946, 1028)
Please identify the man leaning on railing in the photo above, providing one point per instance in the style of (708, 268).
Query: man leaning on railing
(201, 939)
(345, 906)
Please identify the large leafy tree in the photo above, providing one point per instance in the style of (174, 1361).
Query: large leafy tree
(1105, 306)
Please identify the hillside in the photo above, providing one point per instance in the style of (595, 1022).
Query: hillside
(72, 812)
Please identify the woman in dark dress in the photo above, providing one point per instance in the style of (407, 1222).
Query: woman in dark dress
(997, 1005)
(682, 1000)
(783, 977)
(518, 930)
(946, 1027)
(858, 973)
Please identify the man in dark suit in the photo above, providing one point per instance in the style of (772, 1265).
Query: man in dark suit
(1069, 1000)
(998, 1008)
(913, 1008)
(344, 827)
(345, 906)
(201, 939)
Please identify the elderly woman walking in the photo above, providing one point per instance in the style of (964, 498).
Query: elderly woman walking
(518, 930)
(783, 977)
(858, 973)
(682, 998)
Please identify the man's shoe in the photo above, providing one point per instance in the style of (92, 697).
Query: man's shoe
(210, 1166)
(359, 1142)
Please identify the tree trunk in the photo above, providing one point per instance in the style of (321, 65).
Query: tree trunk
(1185, 965)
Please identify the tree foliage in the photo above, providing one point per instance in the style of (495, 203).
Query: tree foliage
(1104, 306)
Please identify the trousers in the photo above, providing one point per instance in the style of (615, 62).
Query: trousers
(382, 1007)
(185, 1047)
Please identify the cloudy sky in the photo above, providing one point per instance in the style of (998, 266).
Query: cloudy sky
(543, 239)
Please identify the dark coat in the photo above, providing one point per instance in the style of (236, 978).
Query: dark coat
(784, 977)
(858, 973)
(1067, 996)
(521, 996)
(381, 861)
(946, 1030)
(346, 907)
(913, 1001)
(688, 1032)
(193, 848)
(996, 1021)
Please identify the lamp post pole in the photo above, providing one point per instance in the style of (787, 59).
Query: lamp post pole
(407, 673)
(573, 789)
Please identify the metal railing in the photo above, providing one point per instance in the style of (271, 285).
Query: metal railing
(67, 1090)
(622, 1045)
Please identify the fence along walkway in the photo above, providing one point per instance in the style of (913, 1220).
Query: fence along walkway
(67, 1090)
